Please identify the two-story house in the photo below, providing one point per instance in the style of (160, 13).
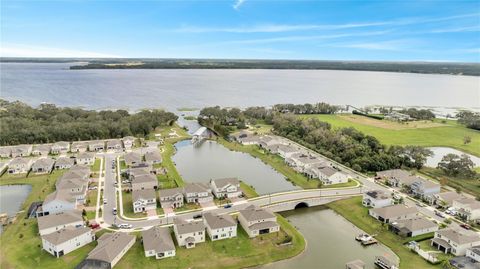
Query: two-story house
(220, 226)
(144, 200)
(197, 193)
(226, 187)
(189, 234)
(256, 221)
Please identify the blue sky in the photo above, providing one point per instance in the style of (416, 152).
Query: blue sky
(322, 30)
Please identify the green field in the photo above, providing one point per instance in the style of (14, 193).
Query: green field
(353, 211)
(448, 134)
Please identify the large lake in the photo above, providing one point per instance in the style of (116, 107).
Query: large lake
(134, 89)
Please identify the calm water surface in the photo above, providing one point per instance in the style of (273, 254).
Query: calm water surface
(330, 241)
(12, 198)
(210, 160)
(439, 152)
(173, 88)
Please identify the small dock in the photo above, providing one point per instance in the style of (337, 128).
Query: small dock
(366, 239)
(384, 263)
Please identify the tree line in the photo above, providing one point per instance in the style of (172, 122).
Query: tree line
(23, 124)
(469, 119)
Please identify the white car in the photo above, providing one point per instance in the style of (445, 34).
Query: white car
(125, 226)
(104, 201)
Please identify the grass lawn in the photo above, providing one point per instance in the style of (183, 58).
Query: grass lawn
(92, 197)
(471, 186)
(90, 215)
(96, 165)
(187, 206)
(353, 211)
(429, 134)
(350, 183)
(123, 165)
(240, 252)
(248, 190)
(166, 182)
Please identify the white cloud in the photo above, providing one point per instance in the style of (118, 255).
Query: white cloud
(238, 4)
(390, 45)
(20, 50)
(457, 30)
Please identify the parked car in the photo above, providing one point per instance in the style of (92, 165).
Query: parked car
(227, 206)
(114, 211)
(93, 188)
(199, 216)
(465, 226)
(438, 213)
(94, 225)
(125, 226)
(104, 201)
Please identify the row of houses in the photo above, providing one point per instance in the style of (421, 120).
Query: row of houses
(135, 159)
(44, 165)
(311, 165)
(158, 241)
(63, 147)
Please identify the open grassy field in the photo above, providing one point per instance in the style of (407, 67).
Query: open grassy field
(421, 133)
(240, 252)
(352, 210)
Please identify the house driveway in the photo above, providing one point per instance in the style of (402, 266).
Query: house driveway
(151, 213)
(207, 204)
(167, 210)
(237, 199)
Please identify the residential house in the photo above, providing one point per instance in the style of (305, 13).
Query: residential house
(110, 249)
(132, 158)
(136, 172)
(64, 163)
(60, 147)
(85, 158)
(301, 161)
(377, 199)
(248, 139)
(5, 152)
(20, 165)
(393, 213)
(220, 226)
(57, 221)
(41, 149)
(144, 182)
(189, 234)
(226, 187)
(286, 151)
(413, 227)
(474, 253)
(424, 189)
(96, 145)
(197, 193)
(79, 146)
(328, 175)
(128, 142)
(445, 199)
(171, 198)
(43, 165)
(455, 241)
(144, 200)
(396, 177)
(66, 240)
(158, 242)
(467, 208)
(256, 221)
(114, 145)
(57, 202)
(266, 141)
(21, 151)
(153, 157)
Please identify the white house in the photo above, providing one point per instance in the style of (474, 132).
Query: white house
(57, 202)
(189, 234)
(286, 151)
(256, 221)
(445, 199)
(393, 213)
(5, 152)
(197, 193)
(468, 208)
(158, 242)
(79, 146)
(128, 142)
(326, 174)
(425, 189)
(55, 222)
(413, 227)
(455, 241)
(144, 200)
(20, 165)
(66, 240)
(474, 253)
(226, 187)
(220, 226)
(60, 147)
(97, 145)
(377, 198)
(85, 158)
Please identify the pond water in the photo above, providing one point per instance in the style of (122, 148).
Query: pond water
(210, 160)
(439, 152)
(330, 241)
(12, 198)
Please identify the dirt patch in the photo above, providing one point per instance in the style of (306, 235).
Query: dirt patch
(387, 124)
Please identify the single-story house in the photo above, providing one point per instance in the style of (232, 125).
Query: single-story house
(197, 193)
(114, 145)
(248, 140)
(256, 221)
(96, 145)
(226, 187)
(220, 226)
(455, 241)
(396, 177)
(79, 146)
(189, 234)
(41, 149)
(128, 142)
(467, 208)
(285, 151)
(110, 249)
(268, 141)
(66, 240)
(377, 199)
(132, 158)
(20, 165)
(144, 182)
(153, 157)
(393, 213)
(85, 158)
(64, 163)
(144, 200)
(445, 199)
(43, 165)
(60, 147)
(413, 227)
(329, 175)
(55, 222)
(171, 198)
(21, 151)
(158, 242)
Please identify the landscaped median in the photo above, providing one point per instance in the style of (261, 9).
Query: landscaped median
(352, 210)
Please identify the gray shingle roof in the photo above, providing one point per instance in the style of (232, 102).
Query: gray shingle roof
(158, 239)
(222, 182)
(65, 234)
(253, 213)
(153, 156)
(196, 188)
(184, 227)
(63, 218)
(215, 221)
(110, 245)
(414, 224)
(458, 236)
(144, 194)
(170, 192)
(394, 211)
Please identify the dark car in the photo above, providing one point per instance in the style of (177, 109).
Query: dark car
(199, 216)
(465, 226)
(227, 206)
